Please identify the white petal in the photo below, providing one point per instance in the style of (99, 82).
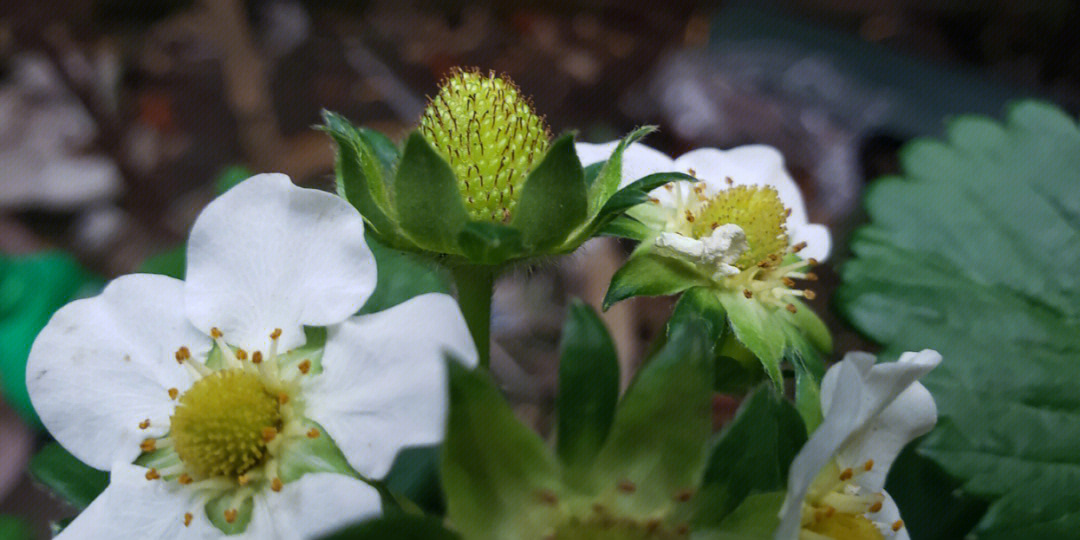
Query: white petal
(638, 160)
(134, 507)
(822, 446)
(888, 515)
(312, 506)
(268, 254)
(383, 385)
(912, 414)
(817, 237)
(104, 364)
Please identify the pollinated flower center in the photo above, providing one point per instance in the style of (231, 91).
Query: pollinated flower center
(758, 211)
(836, 507)
(221, 424)
(488, 133)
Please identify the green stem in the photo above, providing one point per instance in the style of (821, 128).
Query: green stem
(474, 287)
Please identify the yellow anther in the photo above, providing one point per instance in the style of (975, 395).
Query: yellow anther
(241, 354)
(798, 247)
(810, 276)
(268, 433)
(184, 479)
(183, 353)
(812, 261)
(173, 393)
(869, 464)
(230, 515)
(788, 281)
(846, 474)
(312, 433)
(728, 180)
(810, 295)
(897, 525)
(276, 484)
(691, 172)
(876, 507)
(243, 479)
(152, 474)
(215, 333)
(149, 445)
(305, 366)
(282, 398)
(792, 308)
(275, 334)
(747, 293)
(256, 357)
(187, 518)
(144, 424)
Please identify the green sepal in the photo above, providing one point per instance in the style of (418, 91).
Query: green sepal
(553, 200)
(650, 274)
(625, 227)
(361, 174)
(494, 469)
(758, 328)
(588, 389)
(489, 243)
(700, 304)
(757, 518)
(312, 455)
(66, 476)
(215, 511)
(752, 455)
(658, 440)
(638, 192)
(807, 320)
(402, 275)
(398, 527)
(610, 175)
(737, 369)
(429, 205)
(809, 369)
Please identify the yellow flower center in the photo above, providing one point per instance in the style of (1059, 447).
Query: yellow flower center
(837, 508)
(491, 137)
(222, 424)
(758, 211)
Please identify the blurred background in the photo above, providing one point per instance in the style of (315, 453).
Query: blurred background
(121, 119)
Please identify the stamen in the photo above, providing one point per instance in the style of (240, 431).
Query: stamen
(897, 525)
(241, 354)
(268, 434)
(152, 474)
(747, 293)
(149, 445)
(305, 366)
(788, 281)
(869, 464)
(243, 479)
(792, 308)
(215, 333)
(876, 507)
(230, 515)
(276, 485)
(846, 475)
(810, 276)
(312, 433)
(283, 398)
(173, 392)
(184, 479)
(798, 247)
(183, 353)
(256, 357)
(187, 518)
(144, 424)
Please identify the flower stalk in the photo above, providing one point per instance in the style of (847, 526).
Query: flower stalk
(475, 286)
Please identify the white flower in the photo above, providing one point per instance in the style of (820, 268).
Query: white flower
(752, 165)
(835, 484)
(220, 403)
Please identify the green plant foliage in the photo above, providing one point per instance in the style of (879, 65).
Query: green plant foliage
(13, 528)
(553, 200)
(398, 527)
(66, 476)
(974, 252)
(401, 276)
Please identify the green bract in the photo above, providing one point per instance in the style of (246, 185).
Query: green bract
(480, 183)
(974, 251)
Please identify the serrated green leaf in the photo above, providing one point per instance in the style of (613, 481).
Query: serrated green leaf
(397, 527)
(401, 276)
(361, 174)
(751, 456)
(428, 202)
(32, 288)
(66, 476)
(494, 469)
(658, 440)
(588, 388)
(649, 274)
(489, 243)
(973, 252)
(553, 201)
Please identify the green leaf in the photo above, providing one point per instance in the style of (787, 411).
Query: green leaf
(13, 528)
(415, 474)
(638, 192)
(973, 252)
(553, 201)
(398, 527)
(755, 519)
(700, 304)
(32, 288)
(758, 328)
(588, 388)
(361, 173)
(490, 243)
(495, 470)
(429, 205)
(401, 276)
(931, 508)
(625, 227)
(610, 176)
(752, 456)
(649, 274)
(659, 438)
(171, 262)
(66, 476)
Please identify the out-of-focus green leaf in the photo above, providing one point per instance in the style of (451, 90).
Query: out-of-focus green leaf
(415, 474)
(752, 456)
(171, 262)
(401, 276)
(13, 528)
(553, 201)
(588, 388)
(66, 476)
(32, 288)
(755, 519)
(974, 252)
(931, 507)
